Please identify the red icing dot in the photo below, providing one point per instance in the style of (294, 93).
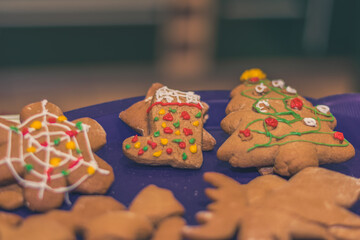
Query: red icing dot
(339, 136)
(152, 144)
(254, 79)
(134, 139)
(48, 173)
(272, 122)
(25, 131)
(140, 152)
(245, 132)
(296, 103)
(71, 133)
(168, 117)
(182, 145)
(44, 144)
(169, 151)
(52, 120)
(168, 130)
(187, 131)
(185, 115)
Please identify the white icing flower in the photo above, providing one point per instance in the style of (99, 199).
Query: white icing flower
(278, 83)
(168, 95)
(291, 90)
(261, 108)
(323, 109)
(260, 88)
(311, 122)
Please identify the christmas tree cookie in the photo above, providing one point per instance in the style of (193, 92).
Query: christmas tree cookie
(175, 134)
(272, 126)
(49, 156)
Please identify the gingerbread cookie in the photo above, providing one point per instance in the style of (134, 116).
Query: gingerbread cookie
(311, 205)
(102, 217)
(171, 122)
(272, 126)
(49, 156)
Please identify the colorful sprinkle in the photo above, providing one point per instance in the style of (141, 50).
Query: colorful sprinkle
(64, 172)
(134, 139)
(25, 131)
(157, 154)
(169, 151)
(296, 103)
(137, 145)
(185, 115)
(78, 151)
(70, 145)
(339, 136)
(182, 145)
(184, 156)
(168, 130)
(31, 149)
(164, 141)
(163, 125)
(152, 144)
(79, 126)
(198, 115)
(172, 110)
(71, 133)
(168, 117)
(196, 123)
(127, 146)
(245, 132)
(44, 144)
(177, 140)
(193, 148)
(156, 119)
(14, 129)
(56, 141)
(62, 118)
(162, 112)
(51, 120)
(36, 125)
(145, 148)
(177, 124)
(177, 132)
(192, 141)
(55, 161)
(140, 152)
(272, 122)
(157, 133)
(29, 167)
(187, 131)
(90, 170)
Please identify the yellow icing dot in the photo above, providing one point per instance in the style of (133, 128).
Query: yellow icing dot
(252, 73)
(193, 148)
(162, 112)
(157, 154)
(137, 145)
(62, 118)
(164, 141)
(196, 123)
(31, 149)
(163, 125)
(70, 145)
(90, 170)
(177, 132)
(36, 124)
(55, 161)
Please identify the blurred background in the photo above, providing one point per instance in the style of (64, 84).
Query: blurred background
(77, 53)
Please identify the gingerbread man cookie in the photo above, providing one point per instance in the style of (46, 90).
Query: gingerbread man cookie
(272, 126)
(49, 156)
(175, 135)
(313, 204)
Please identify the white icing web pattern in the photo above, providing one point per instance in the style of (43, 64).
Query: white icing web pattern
(168, 95)
(70, 160)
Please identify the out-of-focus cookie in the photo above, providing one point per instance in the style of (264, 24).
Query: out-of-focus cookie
(170, 228)
(171, 122)
(49, 156)
(311, 205)
(272, 126)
